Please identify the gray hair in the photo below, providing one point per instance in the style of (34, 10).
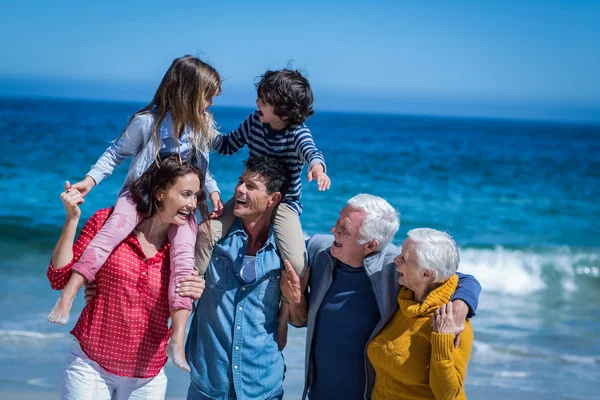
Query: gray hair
(437, 251)
(381, 220)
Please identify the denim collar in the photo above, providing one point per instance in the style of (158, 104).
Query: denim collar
(238, 229)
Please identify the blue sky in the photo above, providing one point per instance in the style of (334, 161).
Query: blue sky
(504, 58)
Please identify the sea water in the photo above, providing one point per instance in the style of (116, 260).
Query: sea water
(521, 198)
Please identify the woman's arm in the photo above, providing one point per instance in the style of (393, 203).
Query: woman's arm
(66, 253)
(448, 365)
(63, 251)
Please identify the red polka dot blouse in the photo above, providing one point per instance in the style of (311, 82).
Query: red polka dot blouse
(125, 327)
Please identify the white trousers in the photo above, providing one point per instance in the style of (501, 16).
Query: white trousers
(84, 379)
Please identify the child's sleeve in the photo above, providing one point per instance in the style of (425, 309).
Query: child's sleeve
(468, 290)
(227, 144)
(129, 144)
(59, 277)
(307, 150)
(210, 184)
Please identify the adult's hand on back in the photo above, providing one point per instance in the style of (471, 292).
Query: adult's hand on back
(191, 286)
(292, 287)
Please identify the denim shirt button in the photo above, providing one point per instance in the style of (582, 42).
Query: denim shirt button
(216, 258)
(235, 366)
(237, 347)
(240, 308)
(244, 289)
(239, 327)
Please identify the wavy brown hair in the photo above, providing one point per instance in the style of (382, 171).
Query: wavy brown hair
(160, 176)
(186, 89)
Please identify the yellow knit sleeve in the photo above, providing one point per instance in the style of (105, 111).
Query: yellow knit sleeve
(448, 366)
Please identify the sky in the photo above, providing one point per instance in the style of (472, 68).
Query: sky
(507, 59)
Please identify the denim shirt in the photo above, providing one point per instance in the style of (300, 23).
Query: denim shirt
(231, 347)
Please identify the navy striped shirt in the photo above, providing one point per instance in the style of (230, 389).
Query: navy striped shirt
(293, 146)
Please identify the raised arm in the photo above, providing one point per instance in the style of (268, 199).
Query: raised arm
(136, 135)
(227, 144)
(63, 251)
(66, 253)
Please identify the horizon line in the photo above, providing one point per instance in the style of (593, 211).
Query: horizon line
(327, 110)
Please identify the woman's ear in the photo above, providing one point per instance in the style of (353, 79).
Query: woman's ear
(428, 275)
(158, 194)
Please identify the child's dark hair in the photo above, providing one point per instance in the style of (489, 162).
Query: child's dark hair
(288, 92)
(273, 171)
(162, 175)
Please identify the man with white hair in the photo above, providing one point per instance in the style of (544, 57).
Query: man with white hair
(353, 293)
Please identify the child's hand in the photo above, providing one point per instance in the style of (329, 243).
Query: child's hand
(217, 204)
(84, 186)
(318, 172)
(71, 199)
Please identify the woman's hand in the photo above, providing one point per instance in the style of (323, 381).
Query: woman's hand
(443, 321)
(71, 199)
(191, 286)
(217, 205)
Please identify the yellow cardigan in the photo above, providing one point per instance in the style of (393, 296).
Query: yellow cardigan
(411, 361)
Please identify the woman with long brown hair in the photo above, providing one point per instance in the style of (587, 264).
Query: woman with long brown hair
(176, 121)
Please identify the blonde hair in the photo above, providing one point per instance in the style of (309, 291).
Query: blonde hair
(187, 88)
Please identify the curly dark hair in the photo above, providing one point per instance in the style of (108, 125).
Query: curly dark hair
(161, 175)
(288, 92)
(272, 170)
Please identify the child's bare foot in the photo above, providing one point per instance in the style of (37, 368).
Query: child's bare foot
(60, 312)
(176, 353)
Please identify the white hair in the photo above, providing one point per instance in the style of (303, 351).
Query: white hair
(437, 251)
(381, 220)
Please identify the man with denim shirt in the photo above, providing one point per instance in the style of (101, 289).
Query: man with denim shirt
(353, 293)
(231, 347)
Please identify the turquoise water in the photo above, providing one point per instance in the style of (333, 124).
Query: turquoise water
(520, 198)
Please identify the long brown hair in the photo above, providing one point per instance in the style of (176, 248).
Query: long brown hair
(161, 175)
(187, 87)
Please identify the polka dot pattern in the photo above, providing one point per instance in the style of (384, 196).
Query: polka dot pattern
(125, 327)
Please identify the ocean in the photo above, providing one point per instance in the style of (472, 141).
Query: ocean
(521, 198)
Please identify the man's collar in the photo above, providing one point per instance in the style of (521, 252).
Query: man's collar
(238, 228)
